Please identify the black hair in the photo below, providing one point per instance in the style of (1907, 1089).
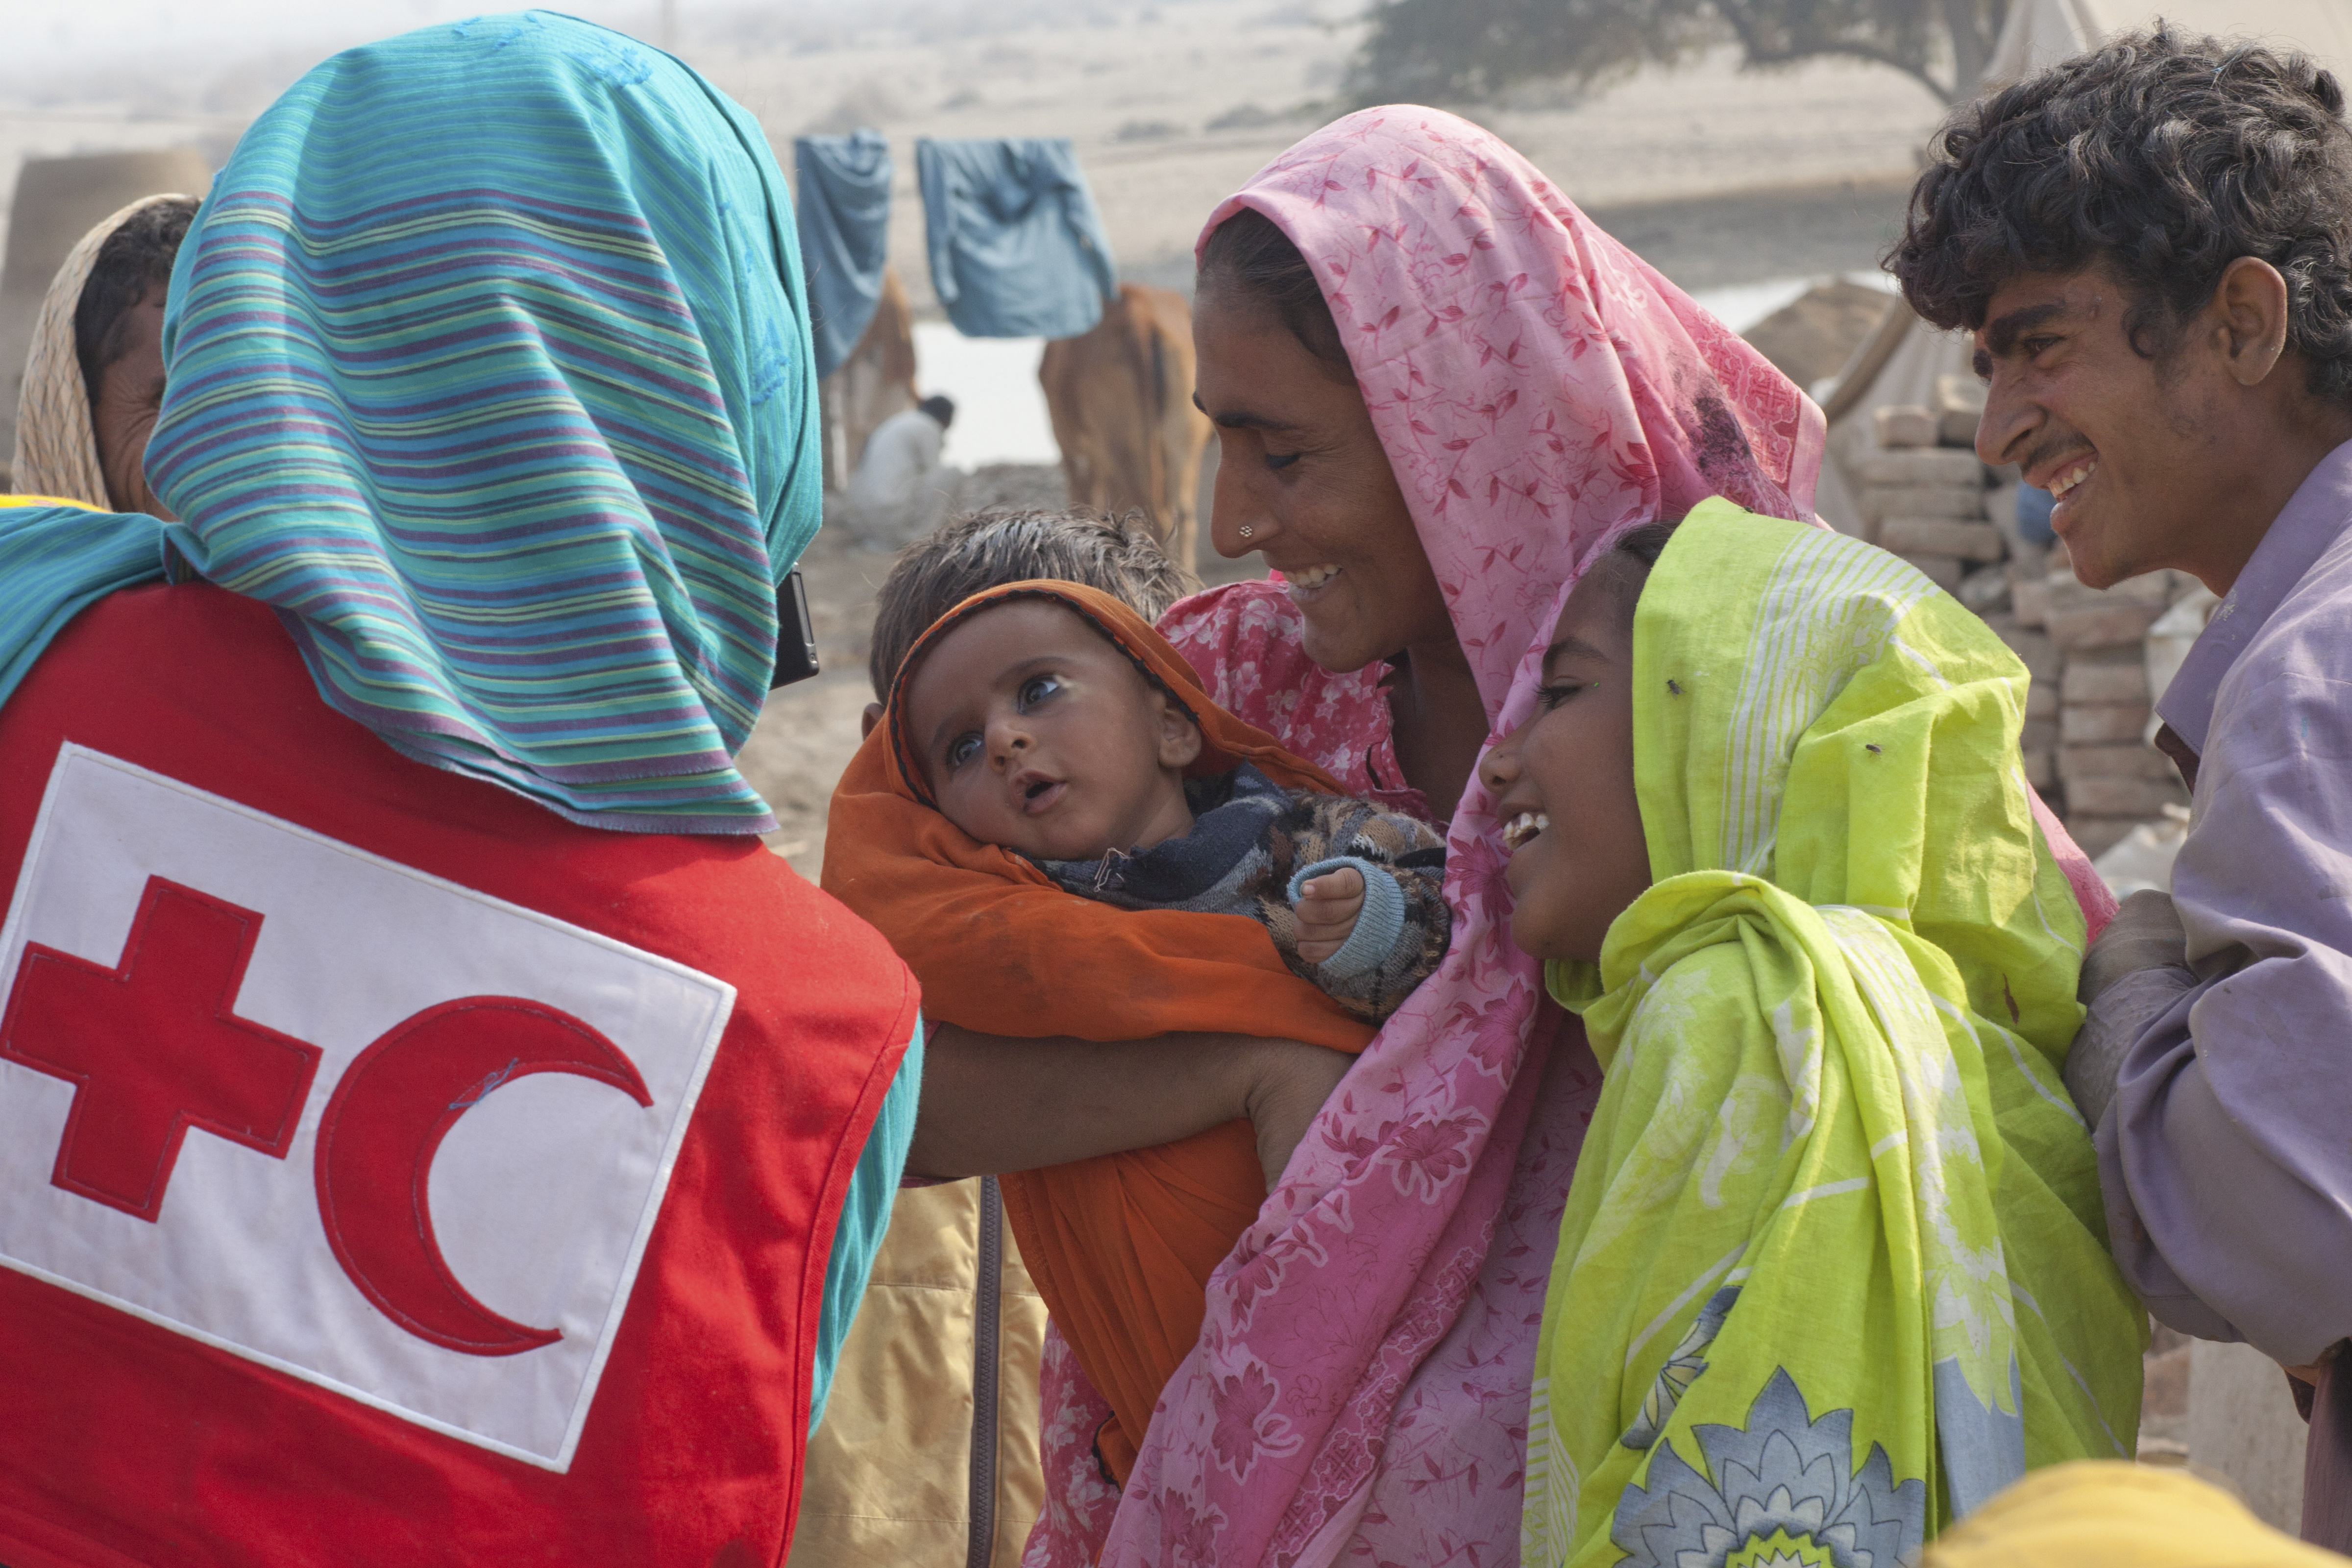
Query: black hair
(1646, 542)
(133, 260)
(1626, 569)
(940, 406)
(1249, 254)
(986, 550)
(2165, 158)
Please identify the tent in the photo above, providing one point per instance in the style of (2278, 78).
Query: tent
(1901, 360)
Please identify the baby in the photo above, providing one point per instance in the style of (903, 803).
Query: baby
(1044, 754)
(1038, 731)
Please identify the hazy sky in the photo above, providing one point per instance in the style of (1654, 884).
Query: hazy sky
(71, 36)
(55, 44)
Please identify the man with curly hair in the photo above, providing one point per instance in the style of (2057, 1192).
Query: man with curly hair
(2152, 243)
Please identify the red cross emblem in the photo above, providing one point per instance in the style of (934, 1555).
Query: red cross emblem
(153, 1047)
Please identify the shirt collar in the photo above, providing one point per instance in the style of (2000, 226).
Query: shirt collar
(2313, 517)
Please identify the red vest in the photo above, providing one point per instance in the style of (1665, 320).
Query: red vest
(391, 1171)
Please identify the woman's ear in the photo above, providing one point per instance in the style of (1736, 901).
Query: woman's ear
(872, 716)
(1179, 737)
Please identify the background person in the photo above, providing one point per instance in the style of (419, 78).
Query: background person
(899, 491)
(507, 1190)
(2169, 342)
(94, 378)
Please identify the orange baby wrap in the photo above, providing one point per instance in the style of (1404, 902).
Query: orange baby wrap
(1121, 1246)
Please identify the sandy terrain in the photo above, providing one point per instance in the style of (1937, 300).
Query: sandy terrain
(1137, 88)
(1138, 101)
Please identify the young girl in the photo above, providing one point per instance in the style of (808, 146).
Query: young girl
(1834, 1269)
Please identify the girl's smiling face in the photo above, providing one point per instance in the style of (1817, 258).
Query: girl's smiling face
(1563, 781)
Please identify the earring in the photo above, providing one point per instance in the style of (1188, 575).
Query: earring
(1247, 531)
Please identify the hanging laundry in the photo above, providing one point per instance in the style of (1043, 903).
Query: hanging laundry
(843, 202)
(1017, 247)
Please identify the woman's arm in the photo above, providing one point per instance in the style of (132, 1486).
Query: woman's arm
(994, 1103)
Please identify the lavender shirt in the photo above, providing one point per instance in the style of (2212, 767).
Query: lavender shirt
(2226, 1155)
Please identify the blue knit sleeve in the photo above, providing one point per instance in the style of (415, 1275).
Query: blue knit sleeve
(864, 1215)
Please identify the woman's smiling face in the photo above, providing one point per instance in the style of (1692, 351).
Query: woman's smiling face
(1563, 781)
(1301, 468)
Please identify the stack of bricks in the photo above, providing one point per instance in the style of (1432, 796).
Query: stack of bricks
(1923, 494)
(1925, 501)
(2112, 778)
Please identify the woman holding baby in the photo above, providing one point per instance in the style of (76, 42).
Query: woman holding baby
(1444, 397)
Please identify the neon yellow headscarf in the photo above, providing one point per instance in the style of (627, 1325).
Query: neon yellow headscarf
(1833, 1267)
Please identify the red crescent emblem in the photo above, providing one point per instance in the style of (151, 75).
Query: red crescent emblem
(385, 1123)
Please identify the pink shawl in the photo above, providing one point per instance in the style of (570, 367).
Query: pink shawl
(1362, 1374)
(1361, 1387)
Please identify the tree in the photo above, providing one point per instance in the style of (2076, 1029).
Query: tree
(1470, 51)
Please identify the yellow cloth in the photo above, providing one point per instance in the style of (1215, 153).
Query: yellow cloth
(888, 1480)
(48, 501)
(1834, 1269)
(57, 445)
(2101, 1513)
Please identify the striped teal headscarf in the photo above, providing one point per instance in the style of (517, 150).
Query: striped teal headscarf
(490, 368)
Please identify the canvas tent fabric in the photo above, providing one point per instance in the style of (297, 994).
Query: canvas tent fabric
(1017, 248)
(843, 210)
(1900, 363)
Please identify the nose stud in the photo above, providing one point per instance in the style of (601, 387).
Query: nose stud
(1247, 531)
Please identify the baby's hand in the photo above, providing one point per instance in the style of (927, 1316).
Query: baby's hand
(1326, 907)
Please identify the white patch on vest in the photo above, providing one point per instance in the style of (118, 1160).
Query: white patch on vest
(542, 1195)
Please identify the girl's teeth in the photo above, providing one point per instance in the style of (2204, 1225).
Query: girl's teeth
(1522, 829)
(1312, 577)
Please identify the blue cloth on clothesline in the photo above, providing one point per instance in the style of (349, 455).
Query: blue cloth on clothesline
(1017, 248)
(844, 209)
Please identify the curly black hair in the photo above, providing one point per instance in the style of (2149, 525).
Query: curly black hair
(132, 260)
(2165, 157)
(984, 550)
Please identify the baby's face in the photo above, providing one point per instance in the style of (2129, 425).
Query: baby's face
(1565, 783)
(1037, 734)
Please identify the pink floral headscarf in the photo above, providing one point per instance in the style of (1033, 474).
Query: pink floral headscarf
(1360, 1388)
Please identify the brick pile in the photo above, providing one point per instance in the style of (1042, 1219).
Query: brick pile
(1923, 494)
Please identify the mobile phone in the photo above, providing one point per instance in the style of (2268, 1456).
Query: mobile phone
(795, 633)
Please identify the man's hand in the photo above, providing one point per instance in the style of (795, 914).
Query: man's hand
(1293, 1082)
(1326, 909)
(2144, 933)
